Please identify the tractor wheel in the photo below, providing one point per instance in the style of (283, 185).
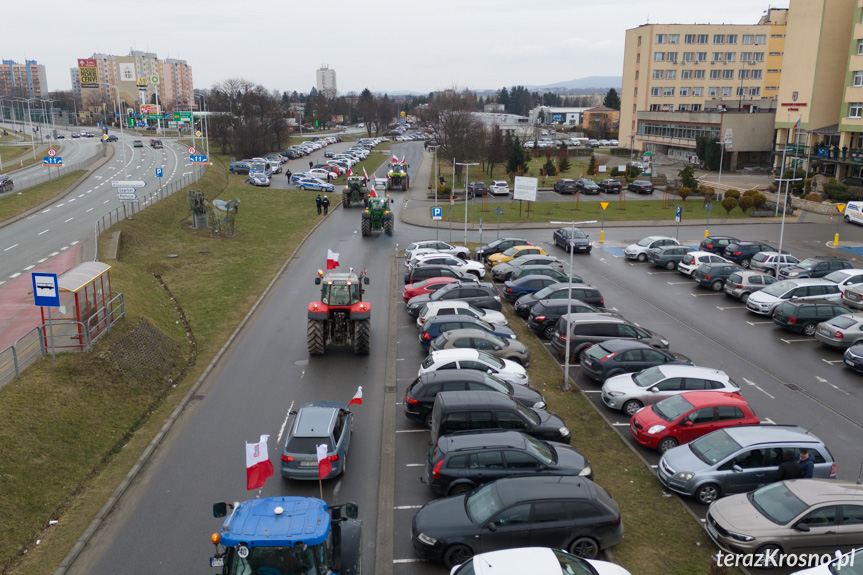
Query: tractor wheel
(388, 227)
(315, 337)
(404, 184)
(346, 200)
(362, 336)
(367, 227)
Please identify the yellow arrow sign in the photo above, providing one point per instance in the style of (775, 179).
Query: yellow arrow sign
(604, 205)
(840, 207)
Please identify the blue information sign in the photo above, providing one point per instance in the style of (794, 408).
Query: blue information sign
(52, 161)
(437, 213)
(158, 172)
(679, 211)
(198, 159)
(46, 291)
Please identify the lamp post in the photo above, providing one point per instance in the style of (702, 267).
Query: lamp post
(466, 167)
(29, 119)
(120, 112)
(437, 222)
(569, 298)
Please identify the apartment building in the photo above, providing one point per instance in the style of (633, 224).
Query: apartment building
(25, 80)
(326, 81)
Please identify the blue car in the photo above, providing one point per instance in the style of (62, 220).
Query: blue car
(514, 289)
(314, 184)
(441, 323)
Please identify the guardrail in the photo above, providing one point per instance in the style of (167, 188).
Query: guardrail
(31, 181)
(18, 356)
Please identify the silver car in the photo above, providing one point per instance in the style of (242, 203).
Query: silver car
(629, 392)
(502, 272)
(638, 251)
(842, 331)
(765, 301)
(740, 285)
(771, 262)
(510, 349)
(853, 297)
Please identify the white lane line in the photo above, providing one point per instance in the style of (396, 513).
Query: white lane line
(67, 221)
(64, 248)
(45, 211)
(13, 276)
(756, 386)
(75, 242)
(790, 341)
(28, 268)
(43, 260)
(90, 210)
(72, 200)
(678, 283)
(54, 254)
(2, 282)
(410, 560)
(43, 232)
(759, 322)
(80, 195)
(415, 465)
(10, 247)
(411, 430)
(620, 423)
(706, 294)
(61, 205)
(591, 391)
(731, 307)
(403, 507)
(106, 201)
(831, 362)
(837, 388)
(88, 191)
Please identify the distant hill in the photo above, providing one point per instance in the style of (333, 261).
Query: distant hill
(615, 82)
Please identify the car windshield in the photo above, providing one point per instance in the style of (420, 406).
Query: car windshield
(779, 288)
(760, 257)
(838, 276)
(672, 408)
(540, 449)
(714, 447)
(645, 242)
(493, 339)
(578, 234)
(808, 264)
(496, 384)
(572, 565)
(491, 360)
(777, 503)
(264, 559)
(494, 244)
(648, 377)
(483, 503)
(529, 414)
(511, 252)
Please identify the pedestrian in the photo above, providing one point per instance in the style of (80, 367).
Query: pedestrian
(319, 202)
(288, 174)
(326, 204)
(807, 464)
(329, 175)
(790, 466)
(311, 164)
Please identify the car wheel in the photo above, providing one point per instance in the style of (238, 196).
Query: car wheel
(666, 444)
(670, 265)
(460, 489)
(579, 355)
(456, 555)
(744, 296)
(303, 188)
(584, 547)
(642, 257)
(631, 407)
(767, 551)
(707, 494)
(717, 285)
(427, 420)
(548, 332)
(809, 329)
(745, 263)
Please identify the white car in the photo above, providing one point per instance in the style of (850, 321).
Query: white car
(540, 560)
(460, 251)
(258, 179)
(690, 262)
(458, 307)
(612, 143)
(321, 174)
(466, 358)
(848, 564)
(846, 278)
(499, 188)
(765, 301)
(469, 266)
(639, 250)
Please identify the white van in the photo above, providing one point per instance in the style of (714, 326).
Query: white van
(854, 212)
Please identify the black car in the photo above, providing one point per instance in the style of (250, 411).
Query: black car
(482, 253)
(421, 393)
(111, 138)
(587, 186)
(616, 356)
(6, 184)
(586, 293)
(814, 267)
(565, 186)
(804, 316)
(742, 252)
(544, 315)
(640, 187)
(478, 294)
(716, 244)
(443, 323)
(667, 256)
(853, 357)
(514, 289)
(460, 462)
(561, 512)
(419, 273)
(572, 239)
(610, 186)
(713, 276)
(476, 189)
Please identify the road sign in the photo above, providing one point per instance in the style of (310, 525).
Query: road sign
(437, 213)
(154, 79)
(604, 205)
(198, 133)
(728, 137)
(125, 190)
(49, 161)
(128, 183)
(158, 172)
(52, 152)
(46, 290)
(184, 116)
(841, 207)
(127, 197)
(191, 150)
(198, 159)
(480, 225)
(708, 206)
(525, 189)
(678, 214)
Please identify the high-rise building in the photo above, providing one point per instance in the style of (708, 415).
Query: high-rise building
(25, 80)
(177, 83)
(327, 81)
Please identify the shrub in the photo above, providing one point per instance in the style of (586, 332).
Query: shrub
(813, 197)
(856, 193)
(563, 163)
(758, 200)
(632, 172)
(751, 192)
(836, 191)
(548, 167)
(732, 194)
(684, 192)
(744, 203)
(443, 190)
(729, 204)
(591, 167)
(807, 185)
(687, 177)
(707, 192)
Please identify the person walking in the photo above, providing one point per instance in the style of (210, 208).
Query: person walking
(807, 464)
(326, 204)
(288, 173)
(311, 164)
(329, 175)
(319, 202)
(790, 466)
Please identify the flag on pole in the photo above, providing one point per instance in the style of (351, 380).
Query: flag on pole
(332, 259)
(258, 465)
(395, 159)
(350, 173)
(325, 466)
(797, 124)
(403, 160)
(357, 398)
(372, 192)
(365, 175)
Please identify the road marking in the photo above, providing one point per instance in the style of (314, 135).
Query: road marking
(759, 388)
(705, 294)
(403, 507)
(759, 322)
(790, 341)
(88, 211)
(42, 260)
(832, 361)
(678, 283)
(415, 465)
(72, 200)
(64, 248)
(81, 195)
(410, 560)
(284, 423)
(73, 243)
(768, 421)
(620, 423)
(28, 268)
(67, 221)
(88, 191)
(45, 211)
(106, 201)
(2, 282)
(591, 391)
(61, 205)
(10, 247)
(837, 388)
(13, 276)
(731, 307)
(411, 430)
(54, 254)
(660, 273)
(43, 232)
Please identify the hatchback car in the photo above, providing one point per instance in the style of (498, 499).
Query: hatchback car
(513, 253)
(640, 187)
(482, 253)
(667, 257)
(565, 186)
(428, 286)
(764, 302)
(713, 275)
(804, 316)
(587, 186)
(499, 188)
(618, 356)
(853, 357)
(560, 512)
(573, 240)
(638, 251)
(460, 251)
(544, 315)
(853, 297)
(458, 307)
(588, 329)
(478, 294)
(441, 323)
(586, 293)
(683, 418)
(467, 266)
(740, 285)
(505, 271)
(610, 186)
(137, 144)
(318, 423)
(770, 262)
(504, 348)
(537, 560)
(801, 516)
(461, 462)
(743, 252)
(738, 460)
(716, 244)
(814, 267)
(690, 262)
(846, 279)
(514, 289)
(464, 358)
(629, 392)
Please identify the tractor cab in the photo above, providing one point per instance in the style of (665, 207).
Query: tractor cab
(340, 289)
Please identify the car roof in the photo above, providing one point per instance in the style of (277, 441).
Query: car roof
(690, 371)
(623, 344)
(448, 354)
(316, 419)
(707, 398)
(489, 439)
(595, 317)
(817, 491)
(524, 279)
(748, 435)
(453, 374)
(809, 281)
(468, 332)
(512, 489)
(472, 398)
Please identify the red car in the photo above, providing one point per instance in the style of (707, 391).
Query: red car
(426, 286)
(686, 417)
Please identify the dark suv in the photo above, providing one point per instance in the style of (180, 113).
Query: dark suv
(443, 323)
(716, 244)
(618, 356)
(482, 253)
(742, 252)
(544, 315)
(587, 186)
(478, 294)
(804, 316)
(462, 461)
(713, 276)
(565, 186)
(589, 329)
(586, 293)
(814, 267)
(476, 189)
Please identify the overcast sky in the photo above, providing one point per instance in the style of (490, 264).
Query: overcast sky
(386, 46)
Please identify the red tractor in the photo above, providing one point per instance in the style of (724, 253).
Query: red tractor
(341, 317)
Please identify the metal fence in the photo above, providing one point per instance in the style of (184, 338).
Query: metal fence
(15, 358)
(55, 172)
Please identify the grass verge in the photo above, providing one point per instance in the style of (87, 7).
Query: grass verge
(15, 203)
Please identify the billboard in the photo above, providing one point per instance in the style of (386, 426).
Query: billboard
(150, 109)
(127, 72)
(88, 74)
(337, 119)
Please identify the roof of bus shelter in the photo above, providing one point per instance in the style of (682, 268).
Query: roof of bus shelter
(76, 278)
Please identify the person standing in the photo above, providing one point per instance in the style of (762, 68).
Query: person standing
(319, 202)
(326, 204)
(790, 466)
(288, 173)
(311, 164)
(329, 175)
(807, 464)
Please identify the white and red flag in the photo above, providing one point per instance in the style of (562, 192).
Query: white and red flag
(258, 464)
(357, 398)
(332, 259)
(365, 175)
(350, 173)
(325, 466)
(395, 159)
(403, 160)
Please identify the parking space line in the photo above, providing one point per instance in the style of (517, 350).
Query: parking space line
(678, 283)
(790, 341)
(832, 361)
(706, 294)
(768, 421)
(591, 391)
(411, 430)
(620, 423)
(415, 464)
(731, 307)
(659, 273)
(759, 322)
(403, 507)
(410, 560)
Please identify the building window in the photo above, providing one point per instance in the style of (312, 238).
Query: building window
(716, 57)
(681, 107)
(639, 40)
(636, 77)
(668, 91)
(671, 74)
(713, 91)
(729, 56)
(859, 47)
(773, 71)
(728, 74)
(775, 54)
(731, 39)
(761, 38)
(684, 91)
(771, 87)
(719, 38)
(659, 56)
(758, 56)
(702, 38)
(754, 91)
(743, 74)
(658, 74)
(858, 78)
(672, 57)
(696, 107)
(660, 38)
(746, 56)
(726, 91)
(685, 74)
(656, 91)
(701, 56)
(655, 108)
(698, 74)
(855, 109)
(777, 36)
(741, 91)
(669, 107)
(688, 56)
(637, 58)
(747, 39)
(698, 92)
(715, 74)
(756, 74)
(674, 38)
(689, 39)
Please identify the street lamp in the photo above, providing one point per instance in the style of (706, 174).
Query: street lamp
(466, 167)
(569, 298)
(205, 122)
(437, 222)
(120, 113)
(30, 119)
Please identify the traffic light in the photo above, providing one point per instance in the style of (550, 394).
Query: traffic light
(316, 123)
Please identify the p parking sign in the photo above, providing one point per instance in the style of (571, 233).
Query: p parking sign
(437, 213)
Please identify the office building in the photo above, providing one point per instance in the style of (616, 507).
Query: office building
(326, 81)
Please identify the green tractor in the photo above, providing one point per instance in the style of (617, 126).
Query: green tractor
(377, 216)
(397, 177)
(355, 191)
(341, 317)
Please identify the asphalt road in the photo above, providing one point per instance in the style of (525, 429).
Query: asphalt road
(71, 150)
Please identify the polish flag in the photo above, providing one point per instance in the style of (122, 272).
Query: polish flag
(403, 160)
(357, 398)
(325, 466)
(332, 260)
(365, 174)
(395, 159)
(258, 465)
(350, 173)
(372, 192)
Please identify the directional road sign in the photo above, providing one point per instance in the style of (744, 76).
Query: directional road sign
(198, 159)
(52, 161)
(128, 183)
(125, 190)
(46, 291)
(437, 213)
(158, 172)
(127, 197)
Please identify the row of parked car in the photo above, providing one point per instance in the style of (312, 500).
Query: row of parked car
(588, 186)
